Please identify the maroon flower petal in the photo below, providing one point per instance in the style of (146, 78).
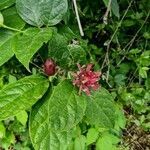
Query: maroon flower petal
(86, 79)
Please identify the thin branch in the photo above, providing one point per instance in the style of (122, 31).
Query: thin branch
(129, 45)
(78, 18)
(105, 18)
(106, 59)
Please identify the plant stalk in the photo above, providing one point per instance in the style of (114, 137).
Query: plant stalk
(78, 18)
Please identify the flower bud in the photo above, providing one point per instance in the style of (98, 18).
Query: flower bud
(49, 67)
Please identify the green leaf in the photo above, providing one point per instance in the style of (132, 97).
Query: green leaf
(12, 78)
(66, 32)
(120, 120)
(114, 7)
(66, 107)
(12, 19)
(77, 53)
(64, 54)
(100, 109)
(2, 130)
(21, 95)
(7, 45)
(39, 13)
(30, 42)
(143, 72)
(80, 143)
(55, 116)
(7, 38)
(22, 117)
(92, 136)
(6, 3)
(42, 135)
(8, 140)
(128, 23)
(107, 141)
(146, 35)
(1, 19)
(120, 79)
(58, 50)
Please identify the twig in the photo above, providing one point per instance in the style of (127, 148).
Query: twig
(129, 45)
(78, 18)
(120, 22)
(112, 37)
(105, 18)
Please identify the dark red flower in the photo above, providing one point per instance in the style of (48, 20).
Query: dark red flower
(86, 79)
(49, 67)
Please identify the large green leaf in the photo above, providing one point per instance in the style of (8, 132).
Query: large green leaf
(100, 109)
(7, 38)
(30, 42)
(51, 122)
(6, 45)
(58, 50)
(64, 53)
(6, 3)
(21, 95)
(41, 134)
(66, 107)
(12, 19)
(67, 32)
(39, 13)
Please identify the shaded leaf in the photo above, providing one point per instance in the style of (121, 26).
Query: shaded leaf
(58, 50)
(6, 3)
(66, 32)
(143, 72)
(77, 53)
(114, 7)
(64, 53)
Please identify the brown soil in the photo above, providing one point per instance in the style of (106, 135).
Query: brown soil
(135, 138)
